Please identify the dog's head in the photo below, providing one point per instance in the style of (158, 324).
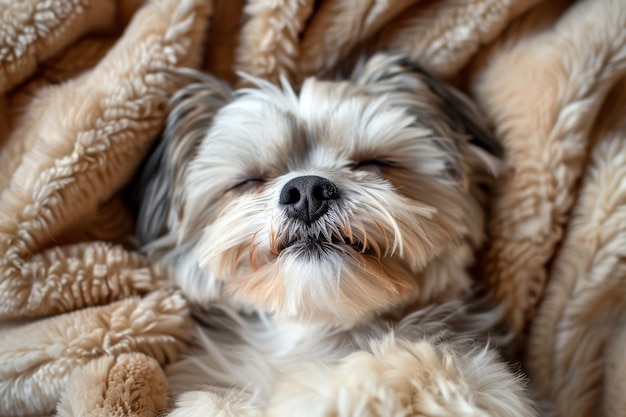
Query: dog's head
(340, 200)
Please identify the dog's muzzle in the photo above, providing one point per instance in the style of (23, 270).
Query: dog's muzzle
(307, 198)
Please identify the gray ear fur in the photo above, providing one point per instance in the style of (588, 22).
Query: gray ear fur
(462, 112)
(192, 110)
(463, 115)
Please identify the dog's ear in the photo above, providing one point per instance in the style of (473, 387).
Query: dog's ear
(160, 188)
(462, 112)
(398, 73)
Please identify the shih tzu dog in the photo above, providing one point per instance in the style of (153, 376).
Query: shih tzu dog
(325, 233)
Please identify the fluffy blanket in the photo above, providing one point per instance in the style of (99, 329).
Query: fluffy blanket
(88, 325)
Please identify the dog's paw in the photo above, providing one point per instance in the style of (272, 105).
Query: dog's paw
(359, 386)
(402, 380)
(209, 404)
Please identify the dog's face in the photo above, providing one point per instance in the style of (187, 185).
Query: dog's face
(333, 202)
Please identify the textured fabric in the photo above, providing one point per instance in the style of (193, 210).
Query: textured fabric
(577, 344)
(33, 31)
(101, 388)
(84, 85)
(41, 356)
(544, 92)
(77, 130)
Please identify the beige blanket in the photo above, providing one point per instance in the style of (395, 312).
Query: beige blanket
(87, 324)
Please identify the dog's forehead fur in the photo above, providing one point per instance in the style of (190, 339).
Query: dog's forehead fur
(269, 131)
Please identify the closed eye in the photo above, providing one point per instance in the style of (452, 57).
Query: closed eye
(247, 184)
(374, 163)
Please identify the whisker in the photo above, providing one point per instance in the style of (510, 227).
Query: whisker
(273, 238)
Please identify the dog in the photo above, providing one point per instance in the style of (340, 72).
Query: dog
(323, 235)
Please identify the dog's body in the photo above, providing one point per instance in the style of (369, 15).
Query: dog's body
(329, 231)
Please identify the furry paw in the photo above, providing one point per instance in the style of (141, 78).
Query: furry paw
(401, 379)
(209, 404)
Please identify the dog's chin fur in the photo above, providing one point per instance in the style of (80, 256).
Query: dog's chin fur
(409, 160)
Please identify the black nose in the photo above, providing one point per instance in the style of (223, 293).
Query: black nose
(306, 198)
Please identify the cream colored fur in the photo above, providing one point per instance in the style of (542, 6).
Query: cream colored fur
(83, 61)
(397, 378)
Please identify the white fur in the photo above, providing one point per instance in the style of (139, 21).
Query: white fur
(260, 367)
(359, 312)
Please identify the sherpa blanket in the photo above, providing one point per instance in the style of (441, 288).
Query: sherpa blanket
(88, 325)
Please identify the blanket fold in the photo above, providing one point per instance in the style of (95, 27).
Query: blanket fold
(87, 323)
(33, 31)
(102, 387)
(577, 344)
(44, 356)
(543, 94)
(70, 156)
